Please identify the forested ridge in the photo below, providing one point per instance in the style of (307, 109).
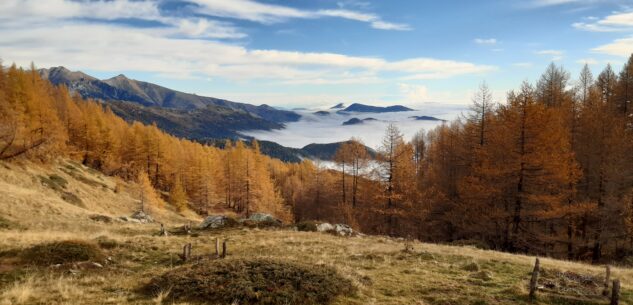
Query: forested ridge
(548, 171)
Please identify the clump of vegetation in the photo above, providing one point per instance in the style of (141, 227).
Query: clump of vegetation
(72, 199)
(307, 226)
(61, 252)
(261, 224)
(256, 281)
(55, 182)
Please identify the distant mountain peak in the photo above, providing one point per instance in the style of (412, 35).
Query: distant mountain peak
(356, 107)
(338, 106)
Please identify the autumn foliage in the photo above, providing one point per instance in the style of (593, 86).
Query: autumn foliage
(548, 171)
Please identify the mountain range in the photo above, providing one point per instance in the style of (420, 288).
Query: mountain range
(200, 118)
(163, 104)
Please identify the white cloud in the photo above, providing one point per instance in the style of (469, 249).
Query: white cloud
(616, 22)
(556, 55)
(268, 13)
(488, 41)
(114, 48)
(620, 47)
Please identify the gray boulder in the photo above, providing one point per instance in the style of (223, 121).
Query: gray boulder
(142, 217)
(343, 229)
(263, 217)
(213, 222)
(325, 227)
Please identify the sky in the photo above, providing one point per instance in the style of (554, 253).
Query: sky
(309, 53)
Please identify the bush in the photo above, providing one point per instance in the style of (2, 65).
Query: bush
(307, 226)
(61, 252)
(261, 224)
(256, 281)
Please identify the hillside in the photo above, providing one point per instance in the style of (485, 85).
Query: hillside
(121, 88)
(382, 270)
(178, 113)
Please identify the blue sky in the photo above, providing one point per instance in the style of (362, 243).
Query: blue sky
(319, 52)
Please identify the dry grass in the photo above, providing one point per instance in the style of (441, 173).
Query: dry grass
(376, 266)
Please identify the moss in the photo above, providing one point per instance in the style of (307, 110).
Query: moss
(61, 252)
(256, 281)
(307, 226)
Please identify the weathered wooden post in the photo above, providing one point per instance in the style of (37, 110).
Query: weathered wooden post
(224, 253)
(163, 232)
(186, 252)
(615, 293)
(607, 279)
(534, 280)
(217, 247)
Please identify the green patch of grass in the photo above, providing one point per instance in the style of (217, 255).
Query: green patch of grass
(256, 281)
(61, 252)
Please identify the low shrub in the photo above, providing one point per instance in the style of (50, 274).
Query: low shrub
(255, 281)
(61, 252)
(307, 226)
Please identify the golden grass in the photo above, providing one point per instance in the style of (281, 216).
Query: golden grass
(377, 266)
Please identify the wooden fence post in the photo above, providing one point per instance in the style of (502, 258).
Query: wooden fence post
(163, 232)
(607, 279)
(615, 294)
(224, 253)
(534, 280)
(217, 247)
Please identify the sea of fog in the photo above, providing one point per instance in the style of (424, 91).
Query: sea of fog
(313, 128)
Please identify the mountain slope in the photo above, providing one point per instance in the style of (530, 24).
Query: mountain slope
(121, 88)
(210, 122)
(384, 270)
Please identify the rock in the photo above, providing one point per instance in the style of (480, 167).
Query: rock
(142, 217)
(343, 229)
(262, 217)
(213, 222)
(88, 265)
(101, 218)
(325, 227)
